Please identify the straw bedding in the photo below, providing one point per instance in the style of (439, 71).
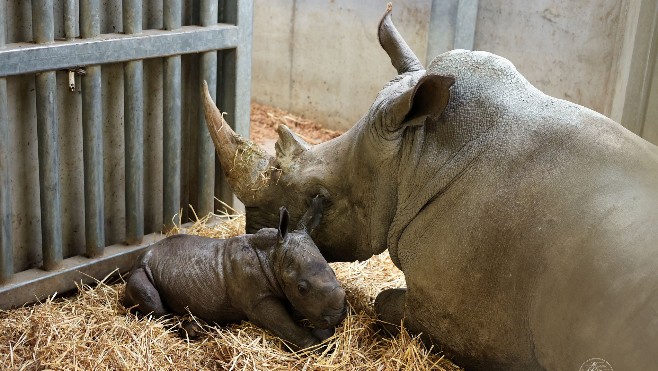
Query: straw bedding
(91, 330)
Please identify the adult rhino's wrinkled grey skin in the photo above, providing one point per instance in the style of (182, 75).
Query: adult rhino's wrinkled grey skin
(255, 277)
(526, 226)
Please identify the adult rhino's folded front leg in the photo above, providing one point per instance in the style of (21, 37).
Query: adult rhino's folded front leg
(389, 307)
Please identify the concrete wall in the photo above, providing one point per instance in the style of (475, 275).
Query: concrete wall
(568, 49)
(321, 59)
(650, 126)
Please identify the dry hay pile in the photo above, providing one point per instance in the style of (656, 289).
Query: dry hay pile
(92, 331)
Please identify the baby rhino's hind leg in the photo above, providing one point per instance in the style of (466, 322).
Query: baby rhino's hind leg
(141, 293)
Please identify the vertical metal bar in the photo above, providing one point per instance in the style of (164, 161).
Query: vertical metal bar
(47, 136)
(43, 28)
(206, 160)
(132, 16)
(92, 132)
(172, 121)
(6, 248)
(3, 19)
(134, 129)
(89, 18)
(235, 89)
(208, 12)
(69, 19)
(172, 14)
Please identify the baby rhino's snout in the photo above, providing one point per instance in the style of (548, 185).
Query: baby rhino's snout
(336, 309)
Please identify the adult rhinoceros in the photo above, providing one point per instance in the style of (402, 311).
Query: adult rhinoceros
(526, 226)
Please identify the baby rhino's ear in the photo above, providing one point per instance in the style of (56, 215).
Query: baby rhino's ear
(284, 218)
(313, 215)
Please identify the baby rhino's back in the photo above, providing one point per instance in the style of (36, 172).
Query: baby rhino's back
(188, 273)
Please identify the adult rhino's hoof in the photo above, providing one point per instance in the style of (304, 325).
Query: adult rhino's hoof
(190, 330)
(323, 334)
(389, 307)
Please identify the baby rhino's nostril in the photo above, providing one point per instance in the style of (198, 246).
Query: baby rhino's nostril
(336, 317)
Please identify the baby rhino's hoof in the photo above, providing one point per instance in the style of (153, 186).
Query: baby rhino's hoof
(191, 330)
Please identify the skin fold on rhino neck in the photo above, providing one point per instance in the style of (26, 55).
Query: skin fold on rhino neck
(404, 170)
(266, 259)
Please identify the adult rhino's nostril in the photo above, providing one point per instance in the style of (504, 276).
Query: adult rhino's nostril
(343, 314)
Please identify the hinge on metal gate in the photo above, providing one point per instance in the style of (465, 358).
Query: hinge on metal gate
(77, 70)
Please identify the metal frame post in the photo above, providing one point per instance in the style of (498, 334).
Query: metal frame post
(172, 122)
(48, 142)
(206, 159)
(70, 18)
(235, 90)
(92, 131)
(134, 129)
(6, 247)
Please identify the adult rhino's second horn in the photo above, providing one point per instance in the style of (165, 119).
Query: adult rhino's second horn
(402, 57)
(245, 164)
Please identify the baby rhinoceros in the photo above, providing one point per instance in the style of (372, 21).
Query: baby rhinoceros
(258, 277)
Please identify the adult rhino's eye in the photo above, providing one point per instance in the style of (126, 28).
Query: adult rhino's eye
(302, 286)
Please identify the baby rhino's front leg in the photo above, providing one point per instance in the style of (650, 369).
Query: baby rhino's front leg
(272, 315)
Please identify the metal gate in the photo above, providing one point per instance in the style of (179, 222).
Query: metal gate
(102, 139)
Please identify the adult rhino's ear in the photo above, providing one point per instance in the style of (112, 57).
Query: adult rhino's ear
(289, 144)
(284, 219)
(428, 98)
(313, 215)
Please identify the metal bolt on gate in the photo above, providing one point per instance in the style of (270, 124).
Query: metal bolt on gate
(61, 203)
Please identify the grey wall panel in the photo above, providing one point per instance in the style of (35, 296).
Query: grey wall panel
(322, 59)
(273, 51)
(567, 49)
(441, 35)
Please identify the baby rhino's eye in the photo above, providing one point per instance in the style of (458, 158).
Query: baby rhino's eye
(302, 286)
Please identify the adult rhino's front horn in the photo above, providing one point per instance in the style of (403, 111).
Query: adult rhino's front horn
(245, 165)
